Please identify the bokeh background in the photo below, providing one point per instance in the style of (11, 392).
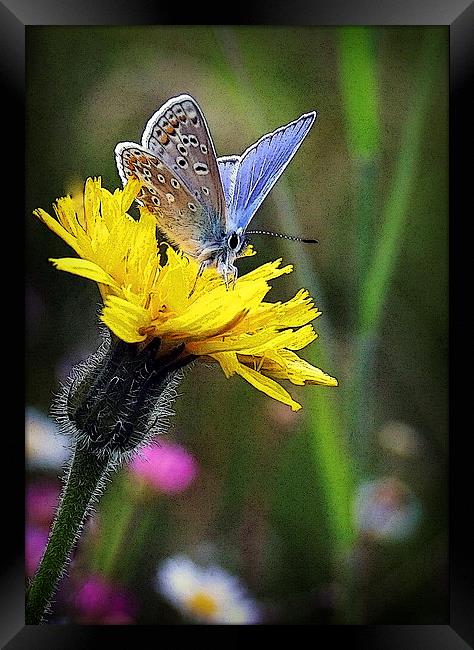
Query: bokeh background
(335, 514)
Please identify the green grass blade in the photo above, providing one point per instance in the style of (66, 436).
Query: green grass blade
(377, 282)
(359, 89)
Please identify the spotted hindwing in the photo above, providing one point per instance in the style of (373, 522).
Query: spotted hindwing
(180, 216)
(179, 136)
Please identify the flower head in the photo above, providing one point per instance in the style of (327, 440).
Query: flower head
(169, 467)
(206, 595)
(151, 294)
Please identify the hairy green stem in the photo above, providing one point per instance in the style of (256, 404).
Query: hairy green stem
(84, 483)
(114, 403)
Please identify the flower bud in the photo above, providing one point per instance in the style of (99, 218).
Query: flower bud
(120, 397)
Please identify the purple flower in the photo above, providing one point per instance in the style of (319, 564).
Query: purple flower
(169, 467)
(41, 502)
(100, 601)
(92, 596)
(35, 543)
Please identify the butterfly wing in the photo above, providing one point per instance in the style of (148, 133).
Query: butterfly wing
(178, 135)
(180, 216)
(248, 179)
(228, 166)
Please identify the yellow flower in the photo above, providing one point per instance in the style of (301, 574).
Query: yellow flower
(149, 294)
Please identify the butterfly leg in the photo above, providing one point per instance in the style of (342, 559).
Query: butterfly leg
(230, 276)
(226, 279)
(227, 270)
(202, 266)
(235, 272)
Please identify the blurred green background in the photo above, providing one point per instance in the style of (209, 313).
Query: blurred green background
(336, 514)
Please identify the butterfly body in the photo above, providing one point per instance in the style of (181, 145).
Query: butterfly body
(203, 204)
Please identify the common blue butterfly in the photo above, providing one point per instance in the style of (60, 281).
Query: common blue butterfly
(204, 204)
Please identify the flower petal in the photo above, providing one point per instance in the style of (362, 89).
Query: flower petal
(284, 364)
(231, 365)
(126, 320)
(86, 269)
(266, 272)
(212, 313)
(129, 193)
(58, 229)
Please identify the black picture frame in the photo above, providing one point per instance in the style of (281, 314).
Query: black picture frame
(15, 16)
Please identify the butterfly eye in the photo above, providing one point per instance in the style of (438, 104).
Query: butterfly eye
(233, 241)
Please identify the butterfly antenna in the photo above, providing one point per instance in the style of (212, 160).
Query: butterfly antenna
(277, 234)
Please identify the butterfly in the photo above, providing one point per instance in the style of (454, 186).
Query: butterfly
(203, 204)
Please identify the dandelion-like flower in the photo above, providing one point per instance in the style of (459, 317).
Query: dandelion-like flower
(154, 293)
(206, 594)
(162, 315)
